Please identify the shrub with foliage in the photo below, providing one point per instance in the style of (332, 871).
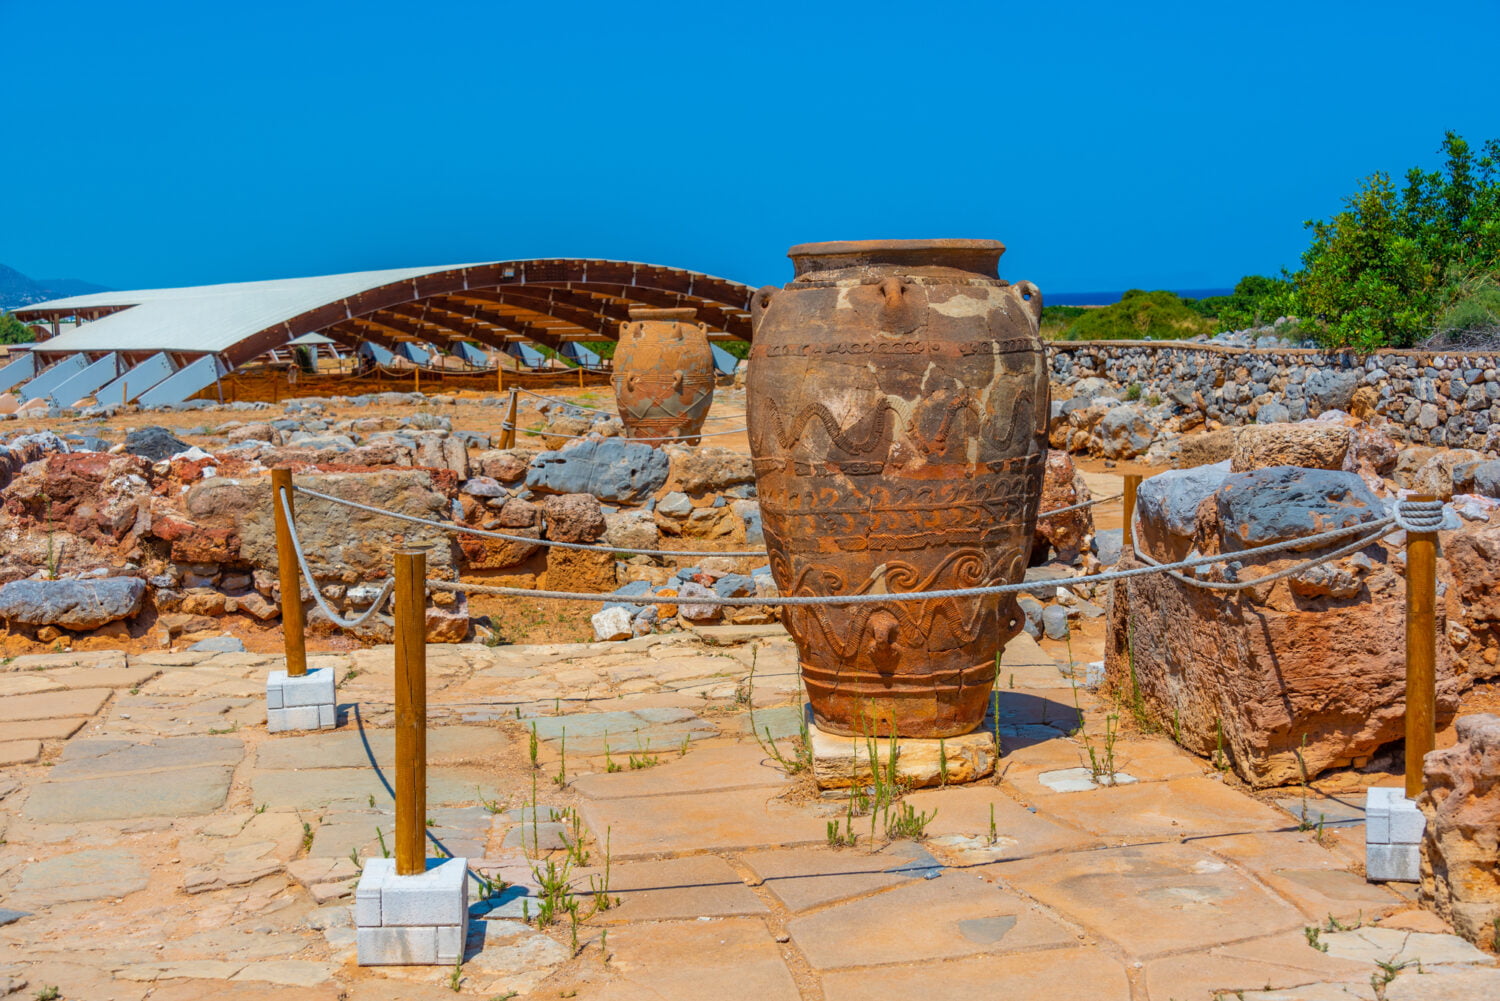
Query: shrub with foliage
(1396, 265)
(1255, 302)
(13, 331)
(1139, 316)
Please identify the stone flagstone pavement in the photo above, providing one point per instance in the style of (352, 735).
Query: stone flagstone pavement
(159, 843)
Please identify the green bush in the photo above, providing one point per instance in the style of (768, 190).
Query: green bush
(1383, 272)
(13, 331)
(1139, 315)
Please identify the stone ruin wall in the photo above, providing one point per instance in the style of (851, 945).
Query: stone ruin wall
(1436, 398)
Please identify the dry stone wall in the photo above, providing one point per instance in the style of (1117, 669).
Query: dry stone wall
(1448, 399)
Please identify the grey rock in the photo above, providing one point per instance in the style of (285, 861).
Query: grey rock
(631, 530)
(71, 604)
(696, 611)
(218, 644)
(1108, 544)
(483, 486)
(154, 443)
(1486, 476)
(635, 589)
(749, 512)
(734, 585)
(1273, 413)
(1166, 505)
(81, 876)
(1124, 433)
(1330, 389)
(1287, 502)
(675, 505)
(613, 470)
(1055, 622)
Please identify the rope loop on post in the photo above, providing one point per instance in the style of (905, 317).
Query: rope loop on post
(1419, 516)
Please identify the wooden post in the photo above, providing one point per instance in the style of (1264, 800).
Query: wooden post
(291, 582)
(411, 711)
(508, 435)
(1421, 650)
(124, 393)
(499, 377)
(580, 375)
(1132, 481)
(418, 369)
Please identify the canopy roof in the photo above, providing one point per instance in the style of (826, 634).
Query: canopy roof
(545, 301)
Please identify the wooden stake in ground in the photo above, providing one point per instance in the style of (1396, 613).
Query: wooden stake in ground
(286, 567)
(1421, 650)
(508, 433)
(411, 711)
(1132, 482)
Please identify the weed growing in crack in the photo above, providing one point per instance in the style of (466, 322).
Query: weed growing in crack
(994, 832)
(907, 823)
(942, 763)
(533, 746)
(1220, 759)
(384, 851)
(307, 836)
(561, 778)
(1312, 933)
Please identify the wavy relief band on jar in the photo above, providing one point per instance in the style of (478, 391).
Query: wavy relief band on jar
(897, 407)
(664, 374)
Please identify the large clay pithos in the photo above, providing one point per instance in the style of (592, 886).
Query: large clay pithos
(663, 374)
(898, 399)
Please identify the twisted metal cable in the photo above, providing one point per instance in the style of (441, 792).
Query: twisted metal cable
(312, 585)
(867, 599)
(1075, 507)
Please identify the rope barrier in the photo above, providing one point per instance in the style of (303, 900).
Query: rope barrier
(580, 437)
(448, 526)
(1419, 516)
(869, 598)
(610, 413)
(590, 547)
(312, 585)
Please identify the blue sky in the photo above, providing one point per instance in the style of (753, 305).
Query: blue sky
(1109, 145)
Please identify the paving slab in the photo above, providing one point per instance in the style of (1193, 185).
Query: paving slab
(730, 959)
(1373, 944)
(782, 722)
(105, 779)
(701, 886)
(1316, 880)
(85, 659)
(803, 878)
(43, 729)
(1144, 759)
(714, 821)
(95, 757)
(1178, 808)
(636, 730)
(1438, 984)
(311, 788)
(1047, 707)
(1211, 974)
(1054, 974)
(955, 915)
(48, 705)
(19, 752)
(1330, 811)
(702, 769)
(964, 815)
(347, 749)
(102, 677)
(86, 875)
(1151, 899)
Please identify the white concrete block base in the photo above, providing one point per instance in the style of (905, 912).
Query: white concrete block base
(1393, 836)
(420, 920)
(304, 703)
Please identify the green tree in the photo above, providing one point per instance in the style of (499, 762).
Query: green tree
(1382, 272)
(13, 331)
(1255, 302)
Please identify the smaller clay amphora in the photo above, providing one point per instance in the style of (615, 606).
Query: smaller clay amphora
(664, 374)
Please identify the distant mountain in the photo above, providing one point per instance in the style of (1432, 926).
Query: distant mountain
(17, 290)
